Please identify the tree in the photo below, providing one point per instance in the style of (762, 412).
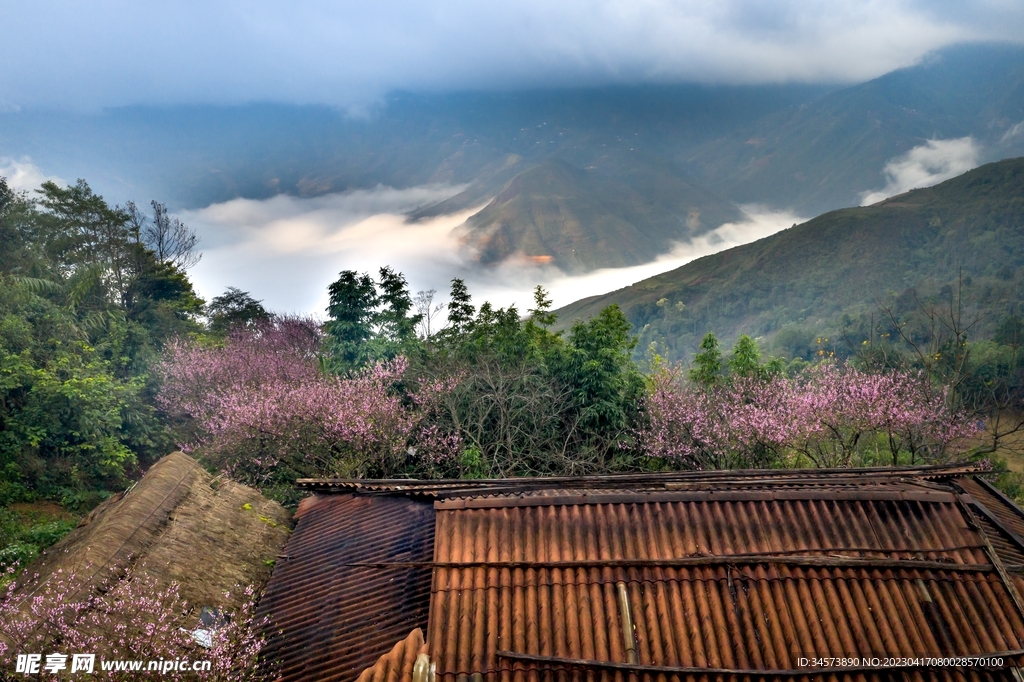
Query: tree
(598, 366)
(427, 310)
(746, 358)
(353, 298)
(527, 401)
(234, 307)
(395, 328)
(69, 424)
(369, 321)
(85, 307)
(708, 362)
(260, 409)
(830, 415)
(541, 312)
(460, 309)
(78, 229)
(170, 240)
(984, 378)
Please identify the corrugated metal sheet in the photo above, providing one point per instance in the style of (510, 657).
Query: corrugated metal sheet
(746, 478)
(330, 619)
(522, 594)
(530, 580)
(1002, 519)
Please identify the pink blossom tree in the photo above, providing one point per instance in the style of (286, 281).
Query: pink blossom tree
(263, 409)
(129, 616)
(830, 415)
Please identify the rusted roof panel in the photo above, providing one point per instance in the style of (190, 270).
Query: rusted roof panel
(710, 571)
(713, 584)
(745, 478)
(1001, 517)
(330, 619)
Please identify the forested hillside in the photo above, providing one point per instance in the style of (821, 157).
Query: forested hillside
(832, 276)
(110, 359)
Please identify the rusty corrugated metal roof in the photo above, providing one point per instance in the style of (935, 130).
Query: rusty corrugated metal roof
(736, 477)
(330, 618)
(534, 584)
(704, 573)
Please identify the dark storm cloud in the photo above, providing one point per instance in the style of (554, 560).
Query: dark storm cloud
(67, 53)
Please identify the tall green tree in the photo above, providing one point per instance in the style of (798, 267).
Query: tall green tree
(707, 367)
(85, 306)
(460, 309)
(395, 326)
(607, 385)
(353, 298)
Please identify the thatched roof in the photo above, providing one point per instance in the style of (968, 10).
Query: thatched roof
(179, 523)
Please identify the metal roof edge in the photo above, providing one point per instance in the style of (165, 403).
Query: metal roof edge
(463, 487)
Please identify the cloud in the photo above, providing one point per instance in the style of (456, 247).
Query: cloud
(22, 174)
(342, 52)
(287, 250)
(923, 166)
(1014, 132)
(761, 222)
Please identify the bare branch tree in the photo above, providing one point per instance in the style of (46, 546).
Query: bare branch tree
(938, 340)
(170, 239)
(427, 310)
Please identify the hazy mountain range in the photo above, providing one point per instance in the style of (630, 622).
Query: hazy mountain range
(962, 240)
(584, 178)
(594, 178)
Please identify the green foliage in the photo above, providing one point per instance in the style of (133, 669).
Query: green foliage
(707, 367)
(471, 463)
(528, 401)
(85, 306)
(395, 327)
(745, 361)
(606, 384)
(541, 313)
(460, 309)
(67, 421)
(746, 358)
(234, 307)
(353, 298)
(23, 535)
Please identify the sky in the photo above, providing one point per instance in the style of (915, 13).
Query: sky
(66, 54)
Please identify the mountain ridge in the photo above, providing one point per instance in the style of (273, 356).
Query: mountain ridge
(840, 264)
(580, 220)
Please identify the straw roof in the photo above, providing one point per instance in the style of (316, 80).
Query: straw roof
(179, 523)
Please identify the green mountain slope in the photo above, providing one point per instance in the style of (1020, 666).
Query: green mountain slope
(581, 220)
(841, 264)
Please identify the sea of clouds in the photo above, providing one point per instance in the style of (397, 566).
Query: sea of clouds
(286, 250)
